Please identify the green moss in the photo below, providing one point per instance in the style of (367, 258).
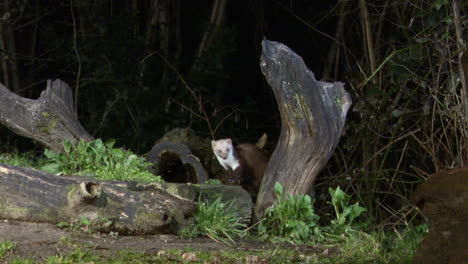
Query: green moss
(50, 125)
(13, 212)
(144, 218)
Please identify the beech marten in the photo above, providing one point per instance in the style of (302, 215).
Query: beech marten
(245, 163)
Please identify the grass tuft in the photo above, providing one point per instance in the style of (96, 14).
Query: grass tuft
(216, 220)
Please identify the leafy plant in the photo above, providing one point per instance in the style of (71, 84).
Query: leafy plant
(291, 219)
(5, 247)
(99, 159)
(213, 181)
(80, 224)
(344, 224)
(345, 213)
(216, 220)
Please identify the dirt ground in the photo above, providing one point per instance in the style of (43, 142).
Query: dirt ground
(40, 240)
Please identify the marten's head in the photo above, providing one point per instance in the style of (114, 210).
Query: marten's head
(222, 147)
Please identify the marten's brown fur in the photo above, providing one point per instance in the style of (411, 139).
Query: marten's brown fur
(245, 162)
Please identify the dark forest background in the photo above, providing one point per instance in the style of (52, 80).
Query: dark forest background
(140, 68)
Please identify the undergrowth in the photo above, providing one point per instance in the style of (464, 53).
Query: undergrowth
(343, 241)
(26, 160)
(290, 219)
(99, 159)
(216, 220)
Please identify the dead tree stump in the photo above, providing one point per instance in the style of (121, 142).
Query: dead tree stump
(313, 115)
(443, 199)
(50, 119)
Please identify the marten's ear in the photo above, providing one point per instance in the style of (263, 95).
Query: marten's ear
(213, 143)
(229, 141)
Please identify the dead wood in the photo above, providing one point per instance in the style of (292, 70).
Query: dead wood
(176, 163)
(50, 119)
(124, 207)
(312, 113)
(443, 199)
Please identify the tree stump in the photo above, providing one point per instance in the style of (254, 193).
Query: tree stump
(443, 199)
(313, 115)
(176, 163)
(49, 120)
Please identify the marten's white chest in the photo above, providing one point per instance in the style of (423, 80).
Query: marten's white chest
(225, 153)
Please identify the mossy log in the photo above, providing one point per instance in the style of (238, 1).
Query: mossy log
(50, 119)
(129, 208)
(34, 196)
(313, 114)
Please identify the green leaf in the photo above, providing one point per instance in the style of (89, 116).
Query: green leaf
(278, 189)
(51, 168)
(49, 154)
(67, 146)
(84, 221)
(437, 4)
(447, 20)
(110, 143)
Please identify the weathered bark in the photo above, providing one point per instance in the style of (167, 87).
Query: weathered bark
(200, 147)
(126, 208)
(176, 163)
(50, 119)
(443, 199)
(110, 206)
(312, 113)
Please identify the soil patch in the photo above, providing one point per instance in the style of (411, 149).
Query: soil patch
(40, 240)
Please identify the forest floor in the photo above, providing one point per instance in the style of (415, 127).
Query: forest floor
(38, 241)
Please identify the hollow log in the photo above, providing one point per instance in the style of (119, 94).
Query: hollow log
(50, 119)
(313, 115)
(176, 163)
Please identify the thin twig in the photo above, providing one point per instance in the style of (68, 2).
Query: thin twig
(188, 109)
(367, 35)
(462, 72)
(388, 145)
(202, 110)
(75, 49)
(399, 163)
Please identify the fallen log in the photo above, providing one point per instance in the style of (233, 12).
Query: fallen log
(128, 208)
(34, 196)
